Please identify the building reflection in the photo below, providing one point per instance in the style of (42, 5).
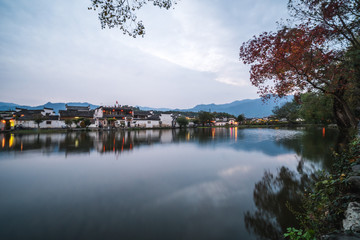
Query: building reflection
(275, 142)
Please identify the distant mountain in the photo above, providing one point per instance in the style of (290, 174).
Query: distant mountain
(155, 109)
(248, 107)
(4, 106)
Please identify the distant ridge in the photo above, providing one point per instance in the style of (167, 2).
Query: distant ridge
(4, 106)
(248, 107)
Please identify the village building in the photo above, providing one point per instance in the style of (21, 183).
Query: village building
(116, 116)
(37, 118)
(76, 112)
(152, 121)
(167, 120)
(6, 120)
(219, 122)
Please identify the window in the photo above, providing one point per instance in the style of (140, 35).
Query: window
(149, 122)
(48, 122)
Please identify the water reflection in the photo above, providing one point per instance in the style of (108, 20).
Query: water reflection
(273, 195)
(309, 144)
(156, 184)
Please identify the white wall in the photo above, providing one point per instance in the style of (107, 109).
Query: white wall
(166, 120)
(44, 124)
(145, 123)
(98, 113)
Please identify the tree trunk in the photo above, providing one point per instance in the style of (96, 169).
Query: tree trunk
(345, 119)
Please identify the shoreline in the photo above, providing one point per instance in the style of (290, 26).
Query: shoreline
(66, 130)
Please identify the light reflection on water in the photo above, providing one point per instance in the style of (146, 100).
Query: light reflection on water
(169, 184)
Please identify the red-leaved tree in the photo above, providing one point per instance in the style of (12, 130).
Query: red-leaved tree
(313, 55)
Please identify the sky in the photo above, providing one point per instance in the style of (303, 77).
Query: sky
(56, 51)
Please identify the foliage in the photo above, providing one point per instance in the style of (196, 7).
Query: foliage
(240, 118)
(76, 121)
(182, 121)
(222, 115)
(289, 110)
(38, 120)
(308, 56)
(86, 122)
(316, 108)
(68, 122)
(7, 125)
(205, 117)
(122, 13)
(324, 204)
(196, 121)
(295, 234)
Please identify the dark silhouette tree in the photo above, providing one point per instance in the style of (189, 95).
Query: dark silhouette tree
(289, 110)
(205, 118)
(272, 196)
(240, 118)
(182, 121)
(38, 120)
(122, 13)
(316, 108)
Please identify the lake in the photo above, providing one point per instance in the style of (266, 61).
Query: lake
(212, 183)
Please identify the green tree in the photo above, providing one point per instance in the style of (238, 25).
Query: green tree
(76, 121)
(316, 108)
(222, 115)
(122, 14)
(196, 121)
(182, 121)
(86, 122)
(111, 122)
(68, 122)
(205, 117)
(38, 120)
(240, 118)
(289, 110)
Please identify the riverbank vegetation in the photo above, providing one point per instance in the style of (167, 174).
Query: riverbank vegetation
(325, 202)
(315, 56)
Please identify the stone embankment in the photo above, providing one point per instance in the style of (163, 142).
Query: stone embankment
(351, 223)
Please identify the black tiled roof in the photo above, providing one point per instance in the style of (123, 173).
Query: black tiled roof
(116, 116)
(153, 117)
(33, 117)
(77, 108)
(117, 108)
(73, 114)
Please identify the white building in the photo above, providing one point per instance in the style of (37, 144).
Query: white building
(46, 117)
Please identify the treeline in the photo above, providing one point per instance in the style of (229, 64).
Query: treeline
(315, 108)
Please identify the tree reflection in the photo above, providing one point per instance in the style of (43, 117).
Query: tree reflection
(271, 196)
(315, 144)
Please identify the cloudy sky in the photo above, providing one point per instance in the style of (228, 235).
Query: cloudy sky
(56, 51)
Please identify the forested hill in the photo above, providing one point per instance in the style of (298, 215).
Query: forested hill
(248, 107)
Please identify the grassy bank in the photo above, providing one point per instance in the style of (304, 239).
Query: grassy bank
(325, 203)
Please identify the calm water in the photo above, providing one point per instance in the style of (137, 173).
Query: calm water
(170, 184)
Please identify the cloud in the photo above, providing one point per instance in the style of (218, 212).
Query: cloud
(53, 50)
(235, 170)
